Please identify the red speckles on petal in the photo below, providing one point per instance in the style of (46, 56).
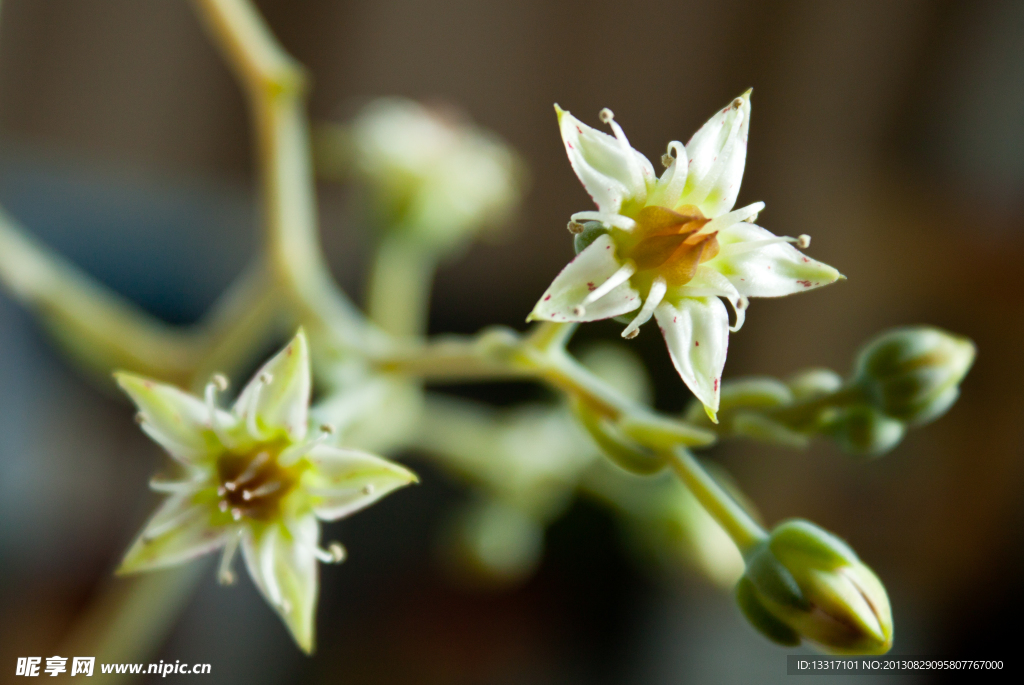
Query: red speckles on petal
(590, 286)
(805, 259)
(579, 130)
(696, 343)
(675, 319)
(716, 384)
(569, 145)
(289, 350)
(148, 385)
(547, 297)
(806, 284)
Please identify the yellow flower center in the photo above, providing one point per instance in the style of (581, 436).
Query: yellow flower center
(668, 244)
(253, 484)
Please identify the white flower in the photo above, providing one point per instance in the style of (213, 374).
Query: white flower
(672, 246)
(436, 175)
(253, 477)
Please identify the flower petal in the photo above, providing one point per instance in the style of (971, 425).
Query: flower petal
(580, 277)
(345, 481)
(282, 388)
(176, 420)
(611, 174)
(179, 530)
(696, 331)
(769, 270)
(717, 154)
(281, 559)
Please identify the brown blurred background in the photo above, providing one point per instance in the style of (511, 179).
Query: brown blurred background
(891, 131)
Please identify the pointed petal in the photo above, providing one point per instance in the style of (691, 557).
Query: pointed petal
(696, 331)
(579, 278)
(283, 402)
(607, 171)
(771, 270)
(179, 530)
(717, 154)
(176, 420)
(345, 481)
(281, 560)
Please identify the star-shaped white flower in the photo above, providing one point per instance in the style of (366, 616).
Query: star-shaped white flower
(254, 477)
(672, 246)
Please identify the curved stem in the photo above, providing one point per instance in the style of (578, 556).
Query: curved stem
(275, 85)
(743, 530)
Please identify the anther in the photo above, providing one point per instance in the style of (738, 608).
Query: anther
(579, 310)
(236, 514)
(337, 552)
(575, 227)
(606, 115)
(222, 505)
(803, 241)
(368, 489)
(226, 577)
(752, 218)
(737, 103)
(667, 159)
(327, 428)
(140, 418)
(231, 486)
(220, 381)
(266, 378)
(632, 334)
(221, 491)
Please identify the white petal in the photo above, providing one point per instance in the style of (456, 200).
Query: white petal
(283, 386)
(344, 481)
(708, 282)
(607, 171)
(717, 155)
(696, 331)
(179, 530)
(723, 221)
(176, 420)
(584, 274)
(771, 270)
(282, 562)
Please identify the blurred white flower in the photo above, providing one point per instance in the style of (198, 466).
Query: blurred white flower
(253, 477)
(436, 175)
(671, 246)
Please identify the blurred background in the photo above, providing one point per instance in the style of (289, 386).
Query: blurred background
(891, 131)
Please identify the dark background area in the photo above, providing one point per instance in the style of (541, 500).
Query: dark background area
(891, 131)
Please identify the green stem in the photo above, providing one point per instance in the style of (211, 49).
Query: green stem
(399, 288)
(743, 530)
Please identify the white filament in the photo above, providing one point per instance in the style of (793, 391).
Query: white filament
(615, 280)
(654, 298)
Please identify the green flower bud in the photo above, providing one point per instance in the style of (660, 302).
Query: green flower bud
(913, 374)
(592, 230)
(812, 383)
(863, 430)
(804, 583)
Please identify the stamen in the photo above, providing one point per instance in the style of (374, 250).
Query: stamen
(223, 505)
(751, 245)
(615, 220)
(334, 554)
(217, 382)
(654, 298)
(740, 307)
(803, 241)
(236, 514)
(224, 574)
(579, 311)
(667, 159)
(250, 471)
(615, 280)
(737, 103)
(292, 455)
(606, 116)
(575, 227)
(261, 491)
(368, 489)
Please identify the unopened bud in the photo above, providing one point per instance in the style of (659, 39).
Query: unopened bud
(913, 374)
(863, 430)
(592, 230)
(804, 583)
